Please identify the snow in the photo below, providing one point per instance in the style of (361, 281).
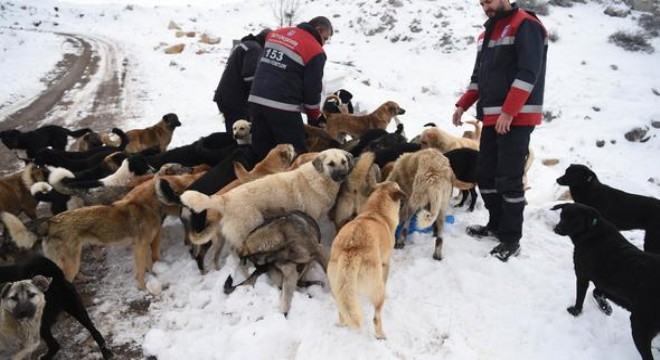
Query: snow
(469, 305)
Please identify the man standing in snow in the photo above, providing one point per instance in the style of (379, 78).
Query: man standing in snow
(288, 81)
(507, 81)
(234, 87)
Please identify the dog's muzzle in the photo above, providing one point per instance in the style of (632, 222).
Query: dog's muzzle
(559, 230)
(561, 180)
(401, 111)
(339, 175)
(24, 311)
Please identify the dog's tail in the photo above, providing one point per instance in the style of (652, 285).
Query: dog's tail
(123, 137)
(343, 277)
(199, 202)
(477, 128)
(77, 133)
(58, 179)
(23, 237)
(433, 201)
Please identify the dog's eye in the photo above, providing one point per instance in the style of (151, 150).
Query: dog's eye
(331, 164)
(31, 295)
(14, 297)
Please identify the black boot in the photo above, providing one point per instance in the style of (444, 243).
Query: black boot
(505, 250)
(479, 231)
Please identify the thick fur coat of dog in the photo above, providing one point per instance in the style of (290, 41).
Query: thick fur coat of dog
(626, 211)
(15, 196)
(623, 273)
(286, 247)
(60, 296)
(134, 220)
(156, 136)
(360, 256)
(312, 188)
(434, 137)
(427, 177)
(21, 307)
(357, 125)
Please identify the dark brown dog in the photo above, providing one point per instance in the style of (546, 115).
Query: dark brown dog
(157, 136)
(15, 196)
(357, 125)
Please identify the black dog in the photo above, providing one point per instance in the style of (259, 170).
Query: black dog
(45, 154)
(463, 162)
(393, 152)
(203, 151)
(32, 141)
(624, 274)
(61, 296)
(626, 211)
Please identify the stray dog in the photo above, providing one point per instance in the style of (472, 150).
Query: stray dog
(242, 130)
(286, 247)
(385, 156)
(427, 176)
(473, 134)
(311, 188)
(21, 308)
(626, 211)
(318, 139)
(15, 196)
(156, 136)
(360, 256)
(434, 137)
(60, 296)
(623, 273)
(356, 189)
(47, 155)
(356, 126)
(463, 163)
(32, 141)
(89, 141)
(135, 219)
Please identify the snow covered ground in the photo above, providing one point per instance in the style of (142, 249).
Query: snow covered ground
(468, 306)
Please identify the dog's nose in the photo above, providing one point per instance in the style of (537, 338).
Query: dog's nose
(401, 111)
(558, 230)
(339, 175)
(24, 312)
(561, 180)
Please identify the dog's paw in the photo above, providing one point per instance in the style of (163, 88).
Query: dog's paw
(194, 200)
(603, 304)
(399, 244)
(574, 311)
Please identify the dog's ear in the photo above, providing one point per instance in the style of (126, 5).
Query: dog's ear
(41, 282)
(5, 289)
(398, 194)
(559, 206)
(351, 161)
(318, 162)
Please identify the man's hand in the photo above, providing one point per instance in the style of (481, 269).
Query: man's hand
(456, 119)
(503, 124)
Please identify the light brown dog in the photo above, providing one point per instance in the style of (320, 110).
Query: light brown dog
(434, 137)
(357, 125)
(312, 188)
(427, 176)
(473, 134)
(277, 160)
(135, 219)
(356, 189)
(360, 256)
(156, 136)
(15, 196)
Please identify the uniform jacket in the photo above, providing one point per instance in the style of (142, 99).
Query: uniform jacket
(290, 72)
(234, 87)
(509, 73)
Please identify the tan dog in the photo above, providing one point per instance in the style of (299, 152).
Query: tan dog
(434, 137)
(356, 189)
(135, 219)
(277, 160)
(312, 188)
(357, 125)
(242, 130)
(427, 176)
(473, 134)
(15, 196)
(157, 136)
(360, 256)
(21, 308)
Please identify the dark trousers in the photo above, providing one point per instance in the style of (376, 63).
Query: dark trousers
(271, 127)
(232, 115)
(500, 169)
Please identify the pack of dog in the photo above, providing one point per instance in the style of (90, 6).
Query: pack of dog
(53, 136)
(60, 296)
(623, 273)
(77, 160)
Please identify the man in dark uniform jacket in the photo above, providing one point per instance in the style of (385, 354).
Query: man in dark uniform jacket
(234, 87)
(287, 82)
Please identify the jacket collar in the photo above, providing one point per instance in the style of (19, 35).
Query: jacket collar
(312, 30)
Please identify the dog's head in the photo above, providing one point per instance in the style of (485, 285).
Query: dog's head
(385, 142)
(23, 299)
(89, 141)
(241, 129)
(575, 219)
(171, 120)
(10, 138)
(431, 137)
(394, 109)
(392, 189)
(334, 163)
(332, 105)
(344, 95)
(577, 175)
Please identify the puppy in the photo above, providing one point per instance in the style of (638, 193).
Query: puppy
(156, 136)
(286, 247)
(355, 190)
(356, 126)
(21, 307)
(135, 219)
(46, 136)
(622, 272)
(427, 176)
(626, 211)
(434, 137)
(60, 296)
(242, 130)
(15, 196)
(360, 256)
(311, 188)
